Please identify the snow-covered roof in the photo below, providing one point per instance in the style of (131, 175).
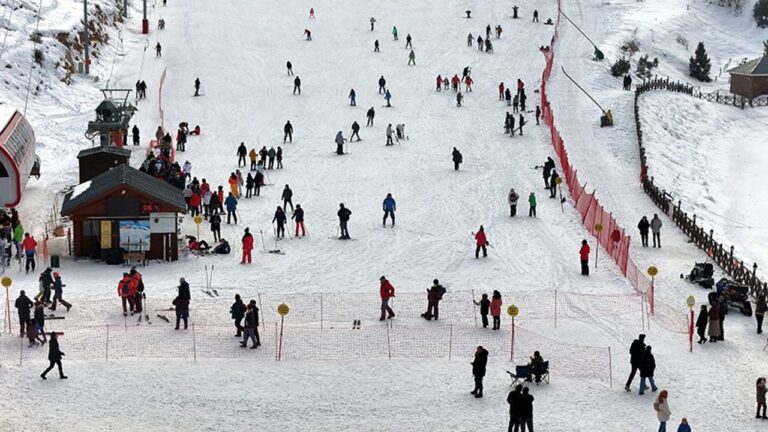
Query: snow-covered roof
(758, 66)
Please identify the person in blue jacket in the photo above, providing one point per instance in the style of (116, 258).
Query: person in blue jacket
(231, 204)
(389, 207)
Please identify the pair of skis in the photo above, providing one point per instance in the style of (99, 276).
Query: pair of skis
(264, 246)
(146, 311)
(209, 281)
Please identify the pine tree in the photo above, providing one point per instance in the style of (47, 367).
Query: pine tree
(620, 67)
(699, 65)
(760, 13)
(645, 67)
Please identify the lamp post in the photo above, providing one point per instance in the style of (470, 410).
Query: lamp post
(282, 309)
(6, 282)
(513, 311)
(652, 271)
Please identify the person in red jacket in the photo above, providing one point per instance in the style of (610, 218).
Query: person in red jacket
(482, 242)
(126, 290)
(501, 91)
(29, 245)
(455, 81)
(247, 246)
(496, 309)
(386, 291)
(194, 203)
(584, 256)
(439, 82)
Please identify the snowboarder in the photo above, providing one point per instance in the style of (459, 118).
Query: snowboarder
(478, 370)
(231, 204)
(242, 151)
(308, 34)
(352, 101)
(408, 42)
(482, 242)
(181, 305)
(237, 310)
(584, 257)
(394, 32)
(485, 306)
(386, 292)
(298, 216)
(158, 50)
(289, 66)
(538, 114)
(535, 15)
(636, 354)
(54, 357)
(643, 226)
(286, 197)
(197, 86)
(339, 143)
(656, 230)
(355, 131)
(251, 328)
(247, 246)
(457, 159)
(343, 215)
(532, 205)
(389, 207)
(646, 370)
(373, 22)
(512, 200)
(136, 137)
(280, 218)
(389, 133)
(57, 292)
(459, 99)
(370, 115)
(382, 85)
(297, 85)
(411, 59)
(388, 97)
(496, 309)
(434, 295)
(288, 132)
(701, 324)
(23, 304)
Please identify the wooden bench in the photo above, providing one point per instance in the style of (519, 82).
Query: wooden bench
(130, 258)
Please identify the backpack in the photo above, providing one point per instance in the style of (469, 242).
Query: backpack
(126, 288)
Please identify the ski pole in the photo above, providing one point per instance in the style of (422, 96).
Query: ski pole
(263, 245)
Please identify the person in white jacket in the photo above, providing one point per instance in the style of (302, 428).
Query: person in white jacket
(389, 135)
(662, 410)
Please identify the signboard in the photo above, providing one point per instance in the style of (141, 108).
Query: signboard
(106, 234)
(134, 235)
(162, 223)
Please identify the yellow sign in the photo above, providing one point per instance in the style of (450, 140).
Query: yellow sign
(690, 301)
(653, 271)
(106, 234)
(6, 281)
(282, 309)
(513, 310)
(198, 219)
(598, 227)
(559, 180)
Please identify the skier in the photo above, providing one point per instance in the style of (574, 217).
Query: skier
(501, 91)
(389, 207)
(761, 389)
(271, 155)
(57, 290)
(584, 257)
(457, 159)
(468, 81)
(445, 82)
(400, 131)
(298, 216)
(339, 143)
(535, 15)
(54, 357)
(532, 205)
(386, 292)
(286, 197)
(480, 43)
(197, 86)
(498, 31)
(29, 245)
(251, 328)
(23, 304)
(496, 309)
(158, 50)
(136, 137)
(388, 97)
(656, 230)
(289, 66)
(515, 103)
(488, 46)
(482, 242)
(636, 354)
(308, 34)
(373, 22)
(662, 410)
(394, 32)
(439, 82)
(382, 85)
(297, 85)
(370, 115)
(485, 306)
(411, 59)
(434, 295)
(288, 132)
(242, 151)
(408, 42)
(512, 199)
(280, 218)
(538, 114)
(181, 305)
(701, 324)
(343, 215)
(389, 135)
(478, 370)
(352, 101)
(376, 46)
(247, 246)
(455, 81)
(646, 370)
(127, 292)
(231, 204)
(548, 166)
(487, 31)
(237, 310)
(508, 96)
(470, 39)
(520, 86)
(643, 226)
(355, 131)
(459, 99)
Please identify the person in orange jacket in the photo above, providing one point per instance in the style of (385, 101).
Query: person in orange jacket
(233, 184)
(386, 292)
(584, 256)
(138, 289)
(482, 242)
(126, 290)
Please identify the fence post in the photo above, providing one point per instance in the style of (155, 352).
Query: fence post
(389, 343)
(194, 343)
(610, 369)
(555, 308)
(106, 346)
(450, 341)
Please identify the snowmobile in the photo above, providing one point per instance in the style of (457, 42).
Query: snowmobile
(736, 295)
(701, 274)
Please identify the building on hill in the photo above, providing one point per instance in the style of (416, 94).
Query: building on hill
(96, 160)
(124, 214)
(750, 79)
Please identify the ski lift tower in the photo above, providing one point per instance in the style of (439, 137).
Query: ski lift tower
(113, 115)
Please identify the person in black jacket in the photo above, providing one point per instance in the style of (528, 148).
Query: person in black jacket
(382, 85)
(184, 289)
(636, 356)
(46, 283)
(457, 158)
(238, 313)
(343, 215)
(298, 216)
(54, 356)
(647, 369)
(287, 195)
(297, 85)
(355, 131)
(478, 370)
(136, 135)
(549, 165)
(216, 226)
(57, 293)
(23, 304)
(242, 152)
(251, 326)
(513, 399)
(288, 132)
(485, 307)
(525, 410)
(701, 324)
(39, 319)
(370, 115)
(644, 226)
(182, 309)
(280, 219)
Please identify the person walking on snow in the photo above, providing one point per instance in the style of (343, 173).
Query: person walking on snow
(126, 290)
(553, 184)
(459, 99)
(251, 328)
(286, 197)
(662, 410)
(298, 216)
(308, 34)
(231, 204)
(389, 135)
(158, 50)
(512, 200)
(408, 42)
(439, 82)
(538, 114)
(297, 85)
(646, 371)
(343, 215)
(643, 226)
(382, 85)
(376, 46)
(434, 295)
(584, 257)
(281, 219)
(457, 159)
(247, 246)
(478, 370)
(54, 357)
(411, 59)
(29, 245)
(761, 307)
(496, 309)
(369, 116)
(388, 97)
(136, 137)
(656, 230)
(714, 323)
(23, 304)
(288, 132)
(468, 81)
(389, 206)
(513, 399)
(501, 91)
(386, 292)
(289, 66)
(548, 166)
(455, 82)
(481, 242)
(394, 32)
(532, 205)
(197, 86)
(57, 293)
(515, 103)
(339, 143)
(470, 39)
(237, 310)
(352, 95)
(480, 43)
(508, 97)
(373, 22)
(535, 15)
(311, 13)
(636, 355)
(355, 131)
